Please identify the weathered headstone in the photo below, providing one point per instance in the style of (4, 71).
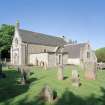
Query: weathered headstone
(36, 62)
(5, 61)
(45, 65)
(60, 73)
(0, 68)
(40, 63)
(47, 94)
(18, 68)
(75, 77)
(90, 70)
(23, 76)
(2, 75)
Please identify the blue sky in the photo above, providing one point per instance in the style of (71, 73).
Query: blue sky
(82, 20)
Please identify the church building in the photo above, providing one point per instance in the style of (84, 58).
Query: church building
(32, 48)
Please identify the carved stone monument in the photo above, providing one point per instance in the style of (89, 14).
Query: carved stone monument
(0, 68)
(23, 76)
(2, 75)
(36, 62)
(18, 68)
(45, 65)
(75, 77)
(47, 94)
(90, 70)
(60, 73)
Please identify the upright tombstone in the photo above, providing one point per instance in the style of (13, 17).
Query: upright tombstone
(0, 68)
(60, 73)
(5, 61)
(18, 68)
(23, 76)
(2, 75)
(75, 77)
(36, 62)
(41, 63)
(90, 70)
(47, 94)
(45, 65)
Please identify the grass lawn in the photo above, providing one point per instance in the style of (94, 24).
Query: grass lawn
(91, 92)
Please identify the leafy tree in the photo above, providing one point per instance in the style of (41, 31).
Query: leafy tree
(100, 53)
(6, 34)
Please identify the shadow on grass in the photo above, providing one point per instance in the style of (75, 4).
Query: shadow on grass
(68, 98)
(9, 86)
(37, 101)
(65, 77)
(10, 89)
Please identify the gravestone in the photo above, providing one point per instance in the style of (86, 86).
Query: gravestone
(45, 65)
(36, 62)
(75, 77)
(23, 76)
(18, 68)
(0, 68)
(60, 73)
(41, 64)
(90, 70)
(2, 75)
(48, 94)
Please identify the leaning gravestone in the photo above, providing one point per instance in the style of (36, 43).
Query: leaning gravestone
(75, 77)
(47, 94)
(90, 70)
(60, 73)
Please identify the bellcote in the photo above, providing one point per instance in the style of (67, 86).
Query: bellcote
(17, 25)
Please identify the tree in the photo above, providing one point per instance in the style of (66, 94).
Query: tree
(6, 35)
(100, 53)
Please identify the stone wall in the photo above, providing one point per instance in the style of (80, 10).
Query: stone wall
(65, 59)
(84, 58)
(28, 50)
(75, 61)
(41, 57)
(83, 54)
(23, 54)
(52, 60)
(34, 48)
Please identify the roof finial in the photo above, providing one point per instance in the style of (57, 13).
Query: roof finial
(17, 24)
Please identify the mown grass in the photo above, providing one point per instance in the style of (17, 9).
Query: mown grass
(91, 92)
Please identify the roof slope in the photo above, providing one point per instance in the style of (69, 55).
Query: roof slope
(74, 49)
(39, 38)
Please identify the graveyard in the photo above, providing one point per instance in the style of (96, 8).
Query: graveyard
(90, 92)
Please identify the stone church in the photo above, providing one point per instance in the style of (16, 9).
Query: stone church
(32, 48)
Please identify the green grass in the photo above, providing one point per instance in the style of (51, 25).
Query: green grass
(91, 92)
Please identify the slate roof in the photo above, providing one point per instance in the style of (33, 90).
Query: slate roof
(39, 38)
(74, 49)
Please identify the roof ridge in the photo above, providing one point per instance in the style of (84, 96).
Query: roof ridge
(41, 33)
(34, 37)
(75, 44)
